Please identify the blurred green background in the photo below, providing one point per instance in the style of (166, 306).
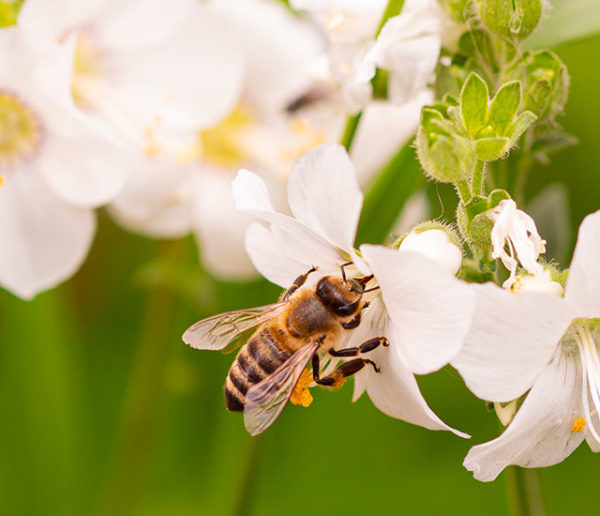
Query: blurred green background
(105, 410)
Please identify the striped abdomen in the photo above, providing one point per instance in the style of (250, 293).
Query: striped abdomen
(261, 356)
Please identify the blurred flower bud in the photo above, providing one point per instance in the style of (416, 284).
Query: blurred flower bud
(511, 19)
(460, 10)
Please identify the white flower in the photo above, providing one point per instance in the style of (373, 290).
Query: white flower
(408, 46)
(549, 344)
(516, 230)
(55, 167)
(422, 309)
(191, 191)
(154, 75)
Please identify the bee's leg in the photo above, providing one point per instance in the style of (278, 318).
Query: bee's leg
(365, 347)
(355, 321)
(298, 282)
(346, 369)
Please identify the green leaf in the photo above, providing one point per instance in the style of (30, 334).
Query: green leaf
(474, 103)
(388, 194)
(568, 20)
(489, 149)
(520, 125)
(504, 106)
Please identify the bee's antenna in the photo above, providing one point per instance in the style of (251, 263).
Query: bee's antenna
(343, 271)
(366, 279)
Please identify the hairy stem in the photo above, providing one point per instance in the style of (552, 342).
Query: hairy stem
(463, 190)
(477, 180)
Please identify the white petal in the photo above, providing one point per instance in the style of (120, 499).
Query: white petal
(275, 74)
(221, 228)
(541, 433)
(251, 195)
(43, 240)
(323, 194)
(511, 340)
(83, 167)
(157, 198)
(430, 309)
(583, 284)
(394, 390)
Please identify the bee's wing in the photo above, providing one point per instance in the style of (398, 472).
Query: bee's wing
(267, 399)
(219, 330)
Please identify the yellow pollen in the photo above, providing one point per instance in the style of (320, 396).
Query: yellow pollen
(301, 394)
(578, 424)
(1, 180)
(223, 145)
(20, 131)
(339, 380)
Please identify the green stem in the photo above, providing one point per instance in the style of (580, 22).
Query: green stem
(523, 492)
(478, 176)
(246, 488)
(392, 9)
(350, 130)
(134, 438)
(463, 190)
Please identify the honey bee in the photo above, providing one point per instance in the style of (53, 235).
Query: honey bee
(303, 325)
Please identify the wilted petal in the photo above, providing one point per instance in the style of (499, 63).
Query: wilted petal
(511, 340)
(541, 434)
(429, 308)
(43, 240)
(323, 194)
(583, 284)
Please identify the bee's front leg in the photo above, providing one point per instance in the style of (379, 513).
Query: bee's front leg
(354, 322)
(298, 282)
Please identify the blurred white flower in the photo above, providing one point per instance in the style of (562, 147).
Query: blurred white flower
(152, 74)
(435, 245)
(55, 166)
(422, 309)
(407, 46)
(171, 195)
(549, 344)
(516, 230)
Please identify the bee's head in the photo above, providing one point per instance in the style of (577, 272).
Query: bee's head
(342, 296)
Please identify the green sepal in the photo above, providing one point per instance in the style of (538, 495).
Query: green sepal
(474, 99)
(520, 125)
(496, 196)
(504, 106)
(488, 149)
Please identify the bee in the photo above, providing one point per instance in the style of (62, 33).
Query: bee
(290, 334)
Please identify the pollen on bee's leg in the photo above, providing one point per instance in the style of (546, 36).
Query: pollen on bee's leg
(301, 394)
(579, 424)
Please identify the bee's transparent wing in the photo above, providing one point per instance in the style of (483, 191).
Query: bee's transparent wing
(216, 332)
(267, 399)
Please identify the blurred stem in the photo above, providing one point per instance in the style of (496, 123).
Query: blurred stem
(135, 434)
(245, 490)
(478, 175)
(350, 130)
(523, 167)
(523, 492)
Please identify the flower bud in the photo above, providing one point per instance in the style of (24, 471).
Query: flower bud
(444, 154)
(545, 82)
(511, 19)
(435, 241)
(460, 10)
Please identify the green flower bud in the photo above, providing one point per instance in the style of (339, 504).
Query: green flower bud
(444, 154)
(511, 19)
(545, 82)
(460, 10)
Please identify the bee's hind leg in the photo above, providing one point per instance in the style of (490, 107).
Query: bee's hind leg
(337, 377)
(298, 282)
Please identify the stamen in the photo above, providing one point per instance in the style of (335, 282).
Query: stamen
(20, 131)
(578, 424)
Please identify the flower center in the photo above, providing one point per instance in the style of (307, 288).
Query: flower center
(225, 144)
(20, 131)
(88, 67)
